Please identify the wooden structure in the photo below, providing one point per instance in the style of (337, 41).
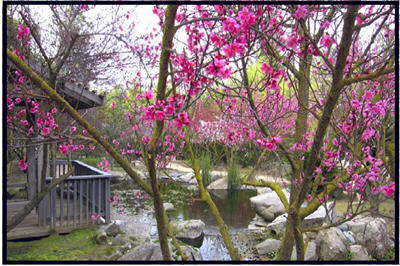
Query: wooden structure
(71, 204)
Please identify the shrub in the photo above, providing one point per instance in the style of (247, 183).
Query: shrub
(205, 166)
(92, 161)
(233, 175)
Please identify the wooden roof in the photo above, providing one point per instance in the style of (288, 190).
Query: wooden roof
(79, 96)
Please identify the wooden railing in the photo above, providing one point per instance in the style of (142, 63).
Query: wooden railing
(82, 199)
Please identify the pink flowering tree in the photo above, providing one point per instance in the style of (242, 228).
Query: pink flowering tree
(309, 77)
(311, 96)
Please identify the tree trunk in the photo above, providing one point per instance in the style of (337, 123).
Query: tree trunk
(233, 252)
(158, 209)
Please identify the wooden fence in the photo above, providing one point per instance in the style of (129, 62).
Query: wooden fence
(81, 199)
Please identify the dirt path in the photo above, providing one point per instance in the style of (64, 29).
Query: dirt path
(182, 167)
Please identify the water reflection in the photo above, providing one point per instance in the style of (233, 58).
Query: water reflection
(234, 207)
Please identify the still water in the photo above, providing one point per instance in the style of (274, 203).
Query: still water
(234, 207)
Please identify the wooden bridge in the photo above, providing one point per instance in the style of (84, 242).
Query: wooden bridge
(80, 201)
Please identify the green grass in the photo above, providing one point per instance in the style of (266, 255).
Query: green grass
(92, 161)
(77, 245)
(386, 207)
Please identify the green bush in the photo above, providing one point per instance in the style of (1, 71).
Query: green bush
(205, 166)
(92, 161)
(233, 175)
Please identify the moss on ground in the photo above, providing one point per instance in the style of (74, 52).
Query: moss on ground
(78, 245)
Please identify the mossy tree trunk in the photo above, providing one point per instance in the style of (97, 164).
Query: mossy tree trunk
(233, 252)
(162, 221)
(166, 47)
(297, 197)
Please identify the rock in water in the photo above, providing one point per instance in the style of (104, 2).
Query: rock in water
(371, 233)
(268, 205)
(190, 231)
(332, 245)
(221, 183)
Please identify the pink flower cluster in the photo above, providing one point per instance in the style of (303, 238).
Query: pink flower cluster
(22, 31)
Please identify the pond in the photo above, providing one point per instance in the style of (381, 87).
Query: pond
(234, 207)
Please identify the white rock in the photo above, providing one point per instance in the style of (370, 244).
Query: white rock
(221, 183)
(168, 207)
(268, 205)
(371, 233)
(311, 252)
(359, 252)
(190, 231)
(332, 245)
(268, 246)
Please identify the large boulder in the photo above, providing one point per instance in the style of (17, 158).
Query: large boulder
(359, 252)
(320, 216)
(268, 205)
(168, 207)
(139, 232)
(332, 245)
(268, 246)
(189, 231)
(315, 219)
(221, 183)
(371, 233)
(146, 251)
(190, 252)
(311, 252)
(152, 251)
(188, 178)
(111, 229)
(278, 225)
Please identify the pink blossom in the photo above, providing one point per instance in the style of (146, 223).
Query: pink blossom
(115, 142)
(266, 69)
(95, 217)
(113, 104)
(128, 115)
(72, 130)
(84, 7)
(135, 127)
(146, 196)
(292, 42)
(45, 131)
(310, 197)
(389, 190)
(326, 40)
(63, 148)
(160, 115)
(54, 110)
(22, 31)
(148, 95)
(22, 165)
(231, 50)
(368, 133)
(368, 95)
(301, 12)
